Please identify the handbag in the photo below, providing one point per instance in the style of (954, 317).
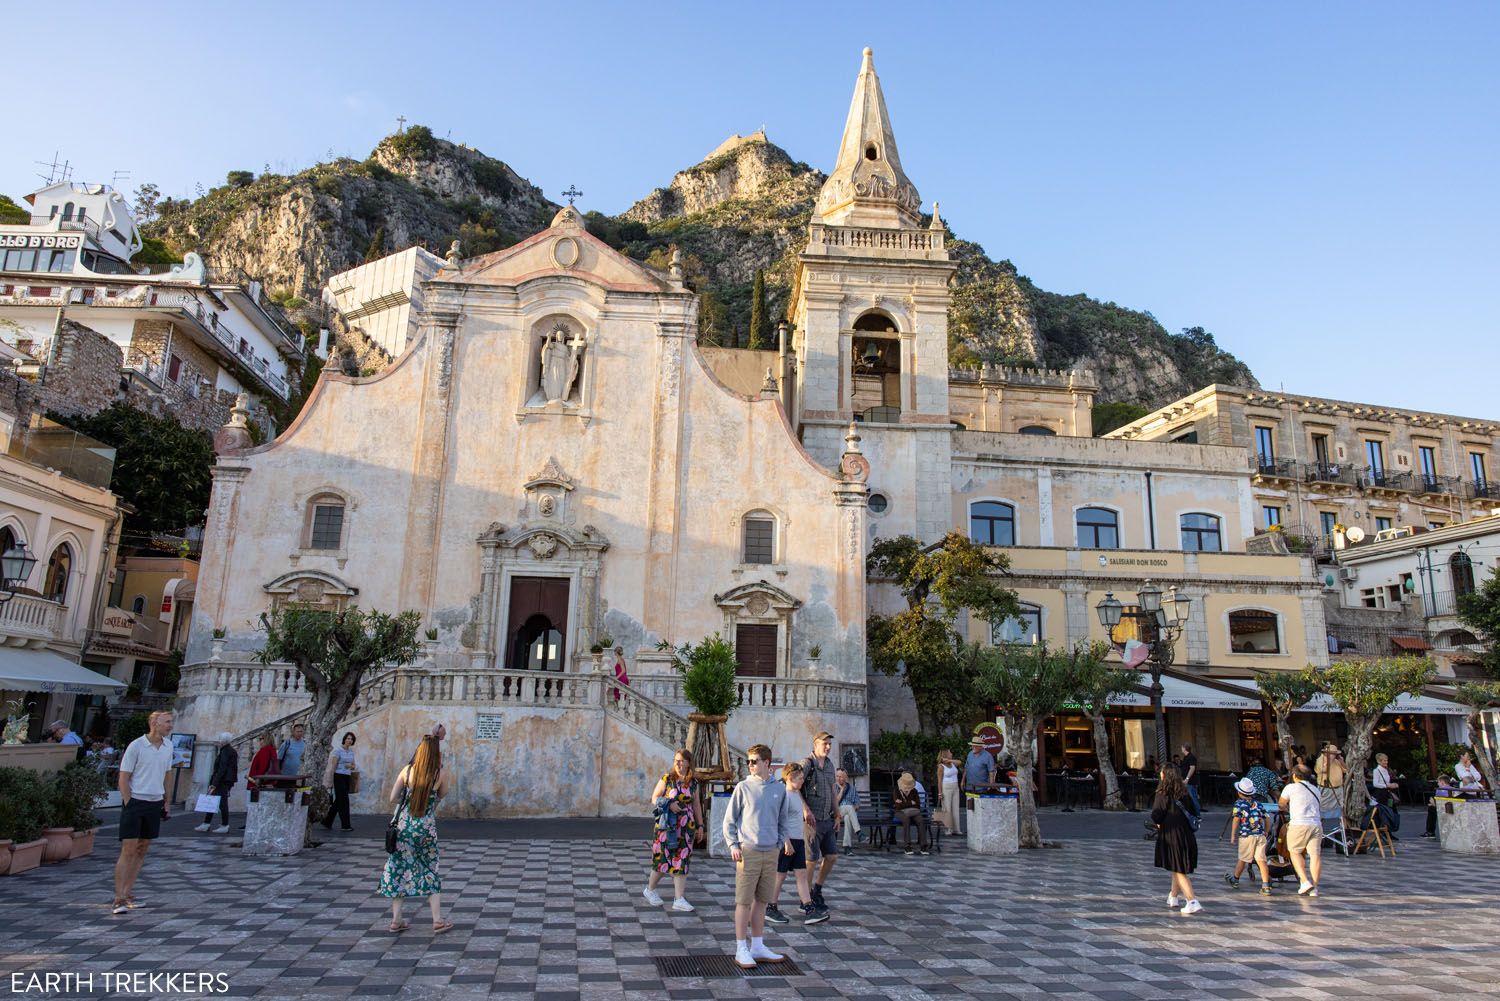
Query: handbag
(390, 828)
(207, 803)
(353, 783)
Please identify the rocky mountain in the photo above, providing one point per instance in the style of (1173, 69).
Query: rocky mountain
(743, 210)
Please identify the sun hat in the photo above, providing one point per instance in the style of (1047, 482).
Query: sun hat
(977, 742)
(906, 783)
(1245, 786)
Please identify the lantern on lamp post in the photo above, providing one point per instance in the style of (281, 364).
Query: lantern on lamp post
(15, 570)
(1160, 623)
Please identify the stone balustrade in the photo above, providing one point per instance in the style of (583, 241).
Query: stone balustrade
(27, 617)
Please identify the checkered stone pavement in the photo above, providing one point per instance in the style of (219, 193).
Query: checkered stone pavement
(561, 920)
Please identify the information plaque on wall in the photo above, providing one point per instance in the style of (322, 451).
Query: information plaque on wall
(487, 726)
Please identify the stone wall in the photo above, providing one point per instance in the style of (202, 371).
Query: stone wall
(17, 398)
(84, 375)
(149, 340)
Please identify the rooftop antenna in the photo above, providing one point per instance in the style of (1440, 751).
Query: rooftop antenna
(117, 177)
(55, 171)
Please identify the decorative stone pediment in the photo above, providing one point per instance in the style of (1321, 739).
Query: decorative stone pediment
(544, 541)
(547, 496)
(311, 589)
(760, 598)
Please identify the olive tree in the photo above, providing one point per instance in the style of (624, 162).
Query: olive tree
(333, 651)
(1363, 689)
(1028, 684)
(1098, 684)
(1286, 692)
(939, 583)
(1478, 697)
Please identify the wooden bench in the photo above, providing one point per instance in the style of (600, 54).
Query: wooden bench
(877, 816)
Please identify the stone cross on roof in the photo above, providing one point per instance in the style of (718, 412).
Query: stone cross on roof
(572, 193)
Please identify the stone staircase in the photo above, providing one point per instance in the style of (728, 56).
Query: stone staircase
(501, 689)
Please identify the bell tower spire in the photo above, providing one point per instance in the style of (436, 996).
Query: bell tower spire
(867, 186)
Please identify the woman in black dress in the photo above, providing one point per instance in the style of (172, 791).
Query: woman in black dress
(1176, 844)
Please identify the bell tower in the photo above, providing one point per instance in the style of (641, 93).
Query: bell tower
(870, 309)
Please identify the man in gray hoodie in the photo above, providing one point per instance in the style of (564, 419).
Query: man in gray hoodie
(755, 829)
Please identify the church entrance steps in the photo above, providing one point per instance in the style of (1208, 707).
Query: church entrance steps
(627, 705)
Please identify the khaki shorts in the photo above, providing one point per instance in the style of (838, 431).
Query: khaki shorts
(755, 876)
(1252, 847)
(1304, 839)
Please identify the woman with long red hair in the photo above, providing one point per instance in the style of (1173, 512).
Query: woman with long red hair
(412, 869)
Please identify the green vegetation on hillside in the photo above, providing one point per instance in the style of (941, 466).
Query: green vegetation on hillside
(13, 214)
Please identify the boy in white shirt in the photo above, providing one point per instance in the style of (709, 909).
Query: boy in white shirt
(1304, 833)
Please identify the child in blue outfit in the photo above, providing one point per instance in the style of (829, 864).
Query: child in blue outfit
(1248, 832)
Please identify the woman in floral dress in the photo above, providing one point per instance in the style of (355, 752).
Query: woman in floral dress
(412, 869)
(679, 818)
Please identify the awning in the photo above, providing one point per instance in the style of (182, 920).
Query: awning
(26, 670)
(1427, 704)
(1413, 643)
(1180, 694)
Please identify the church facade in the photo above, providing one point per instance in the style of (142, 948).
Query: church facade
(551, 465)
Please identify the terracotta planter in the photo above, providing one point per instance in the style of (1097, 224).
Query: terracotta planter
(83, 843)
(25, 856)
(59, 844)
(5, 844)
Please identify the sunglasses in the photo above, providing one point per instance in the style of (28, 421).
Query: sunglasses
(759, 761)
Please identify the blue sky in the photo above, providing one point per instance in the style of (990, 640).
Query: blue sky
(1314, 183)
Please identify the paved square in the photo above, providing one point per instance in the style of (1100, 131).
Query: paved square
(563, 919)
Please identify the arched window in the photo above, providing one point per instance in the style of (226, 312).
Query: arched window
(59, 566)
(7, 540)
(325, 522)
(992, 523)
(1098, 528)
(138, 606)
(1461, 568)
(1024, 629)
(1254, 630)
(1200, 533)
(68, 212)
(539, 646)
(1038, 429)
(759, 541)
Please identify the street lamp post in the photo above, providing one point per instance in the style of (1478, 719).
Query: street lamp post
(1160, 625)
(15, 570)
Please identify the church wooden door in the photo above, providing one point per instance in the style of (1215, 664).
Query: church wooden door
(755, 650)
(537, 629)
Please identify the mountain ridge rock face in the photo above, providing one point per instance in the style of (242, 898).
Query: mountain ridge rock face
(744, 209)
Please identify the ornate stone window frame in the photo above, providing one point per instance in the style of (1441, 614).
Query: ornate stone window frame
(778, 564)
(760, 602)
(291, 589)
(303, 505)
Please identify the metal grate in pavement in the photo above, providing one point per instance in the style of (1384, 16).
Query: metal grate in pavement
(719, 965)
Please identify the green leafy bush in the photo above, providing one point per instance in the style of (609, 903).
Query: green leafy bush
(23, 805)
(240, 178)
(707, 670)
(133, 726)
(72, 795)
(416, 142)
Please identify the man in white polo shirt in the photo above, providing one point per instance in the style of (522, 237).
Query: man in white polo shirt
(143, 803)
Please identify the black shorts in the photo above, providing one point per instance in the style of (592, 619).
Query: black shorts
(141, 818)
(824, 841)
(796, 860)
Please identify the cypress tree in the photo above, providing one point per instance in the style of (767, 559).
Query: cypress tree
(758, 332)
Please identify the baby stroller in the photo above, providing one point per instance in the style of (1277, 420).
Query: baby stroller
(1278, 859)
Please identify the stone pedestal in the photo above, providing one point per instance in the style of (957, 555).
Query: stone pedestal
(1468, 826)
(717, 805)
(275, 827)
(994, 825)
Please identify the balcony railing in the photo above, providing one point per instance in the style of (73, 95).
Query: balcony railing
(1331, 472)
(880, 415)
(74, 455)
(1484, 489)
(1431, 483)
(1375, 478)
(30, 617)
(1439, 603)
(1266, 465)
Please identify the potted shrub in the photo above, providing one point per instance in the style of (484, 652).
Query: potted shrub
(57, 832)
(708, 683)
(83, 786)
(23, 802)
(218, 643)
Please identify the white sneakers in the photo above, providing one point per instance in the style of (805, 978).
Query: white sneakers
(1305, 889)
(1192, 907)
(202, 828)
(760, 953)
(1173, 900)
(222, 830)
(742, 957)
(652, 897)
(681, 904)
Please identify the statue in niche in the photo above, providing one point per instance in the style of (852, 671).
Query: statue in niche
(560, 364)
